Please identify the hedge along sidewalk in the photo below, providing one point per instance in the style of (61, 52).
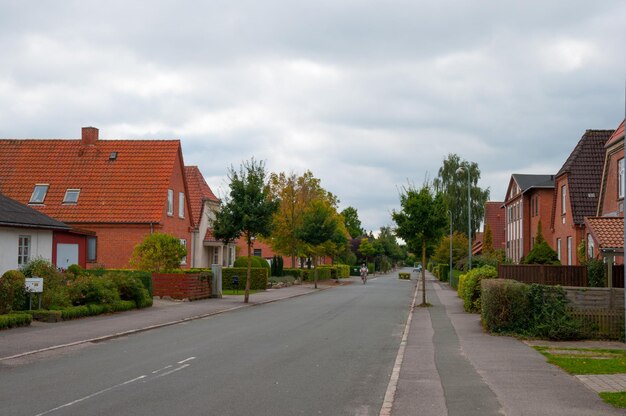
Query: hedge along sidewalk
(41, 337)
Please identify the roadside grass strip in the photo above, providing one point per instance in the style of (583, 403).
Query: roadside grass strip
(582, 361)
(616, 399)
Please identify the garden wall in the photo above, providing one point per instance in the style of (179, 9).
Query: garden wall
(600, 309)
(189, 286)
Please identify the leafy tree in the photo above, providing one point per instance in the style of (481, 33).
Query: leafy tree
(422, 221)
(158, 252)
(352, 222)
(488, 240)
(453, 186)
(459, 249)
(248, 211)
(320, 230)
(293, 194)
(367, 249)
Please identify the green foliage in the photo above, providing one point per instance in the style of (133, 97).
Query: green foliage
(144, 276)
(596, 273)
(13, 295)
(130, 288)
(541, 253)
(258, 276)
(277, 266)
(441, 254)
(470, 287)
(367, 249)
(55, 295)
(444, 272)
(158, 253)
(404, 276)
(617, 399)
(91, 289)
(44, 315)
(529, 310)
(352, 222)
(256, 261)
(92, 309)
(14, 320)
(75, 270)
(324, 273)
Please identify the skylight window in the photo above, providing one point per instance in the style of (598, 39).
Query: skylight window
(39, 194)
(71, 196)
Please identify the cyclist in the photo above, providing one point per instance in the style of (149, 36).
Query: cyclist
(364, 273)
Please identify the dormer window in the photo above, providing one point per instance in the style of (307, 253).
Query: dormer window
(71, 196)
(39, 194)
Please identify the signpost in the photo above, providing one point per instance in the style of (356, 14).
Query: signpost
(34, 285)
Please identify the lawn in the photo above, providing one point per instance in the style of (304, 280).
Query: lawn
(238, 292)
(586, 361)
(616, 399)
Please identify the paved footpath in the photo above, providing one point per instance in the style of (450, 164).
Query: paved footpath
(452, 367)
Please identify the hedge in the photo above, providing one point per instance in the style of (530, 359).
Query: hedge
(469, 286)
(13, 320)
(44, 315)
(258, 277)
(144, 276)
(92, 309)
(304, 274)
(337, 271)
(443, 272)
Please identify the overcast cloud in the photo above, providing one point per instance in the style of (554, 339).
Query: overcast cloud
(366, 94)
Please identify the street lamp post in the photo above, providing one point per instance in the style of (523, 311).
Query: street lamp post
(450, 269)
(469, 215)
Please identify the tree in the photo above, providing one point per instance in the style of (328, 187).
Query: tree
(352, 222)
(293, 194)
(248, 210)
(459, 249)
(320, 230)
(422, 221)
(367, 249)
(488, 241)
(158, 253)
(453, 186)
(541, 253)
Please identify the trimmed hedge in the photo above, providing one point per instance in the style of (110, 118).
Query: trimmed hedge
(536, 311)
(303, 274)
(337, 271)
(81, 311)
(144, 276)
(469, 286)
(404, 276)
(258, 277)
(14, 320)
(443, 272)
(44, 315)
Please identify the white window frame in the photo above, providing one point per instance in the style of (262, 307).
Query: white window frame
(620, 178)
(39, 193)
(590, 247)
(183, 243)
(563, 199)
(92, 241)
(181, 205)
(71, 192)
(569, 251)
(24, 247)
(558, 248)
(170, 202)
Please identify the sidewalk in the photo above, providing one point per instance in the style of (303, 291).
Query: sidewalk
(452, 367)
(41, 337)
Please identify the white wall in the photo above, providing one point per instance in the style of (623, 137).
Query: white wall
(40, 240)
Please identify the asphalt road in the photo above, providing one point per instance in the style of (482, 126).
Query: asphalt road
(329, 353)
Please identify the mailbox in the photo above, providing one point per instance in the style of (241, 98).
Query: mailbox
(34, 284)
(236, 281)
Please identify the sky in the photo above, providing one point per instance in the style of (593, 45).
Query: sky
(368, 95)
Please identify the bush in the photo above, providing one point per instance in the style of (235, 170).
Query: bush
(277, 266)
(596, 273)
(444, 272)
(302, 274)
(404, 276)
(159, 253)
(55, 295)
(504, 305)
(550, 314)
(46, 316)
(92, 289)
(258, 278)
(343, 270)
(14, 320)
(323, 273)
(130, 288)
(256, 262)
(542, 253)
(471, 287)
(75, 270)
(13, 295)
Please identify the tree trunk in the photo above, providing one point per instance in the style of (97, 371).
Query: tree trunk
(246, 293)
(424, 273)
(315, 271)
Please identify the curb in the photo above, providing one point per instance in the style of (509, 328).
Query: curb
(156, 326)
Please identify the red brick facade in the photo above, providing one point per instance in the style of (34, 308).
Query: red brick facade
(494, 216)
(540, 209)
(566, 235)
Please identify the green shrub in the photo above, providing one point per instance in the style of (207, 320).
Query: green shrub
(343, 270)
(277, 266)
(158, 252)
(542, 253)
(256, 262)
(444, 272)
(258, 277)
(404, 276)
(13, 295)
(371, 268)
(550, 314)
(303, 274)
(14, 320)
(130, 288)
(92, 289)
(504, 305)
(44, 315)
(471, 287)
(55, 298)
(55, 295)
(323, 273)
(596, 273)
(331, 269)
(75, 270)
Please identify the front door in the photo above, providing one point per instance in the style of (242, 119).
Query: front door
(67, 254)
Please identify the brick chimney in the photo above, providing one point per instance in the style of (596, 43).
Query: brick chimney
(90, 136)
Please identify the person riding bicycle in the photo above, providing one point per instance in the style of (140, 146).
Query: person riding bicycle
(364, 273)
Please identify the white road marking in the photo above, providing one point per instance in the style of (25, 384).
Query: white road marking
(187, 359)
(161, 369)
(167, 373)
(90, 396)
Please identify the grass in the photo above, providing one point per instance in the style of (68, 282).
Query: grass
(238, 292)
(616, 399)
(586, 360)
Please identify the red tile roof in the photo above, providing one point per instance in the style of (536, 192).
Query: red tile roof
(607, 231)
(199, 191)
(132, 188)
(616, 136)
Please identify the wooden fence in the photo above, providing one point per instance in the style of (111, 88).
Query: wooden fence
(599, 309)
(618, 275)
(189, 286)
(544, 274)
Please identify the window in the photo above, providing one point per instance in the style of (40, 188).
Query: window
(170, 202)
(71, 196)
(620, 178)
(558, 248)
(39, 194)
(590, 247)
(569, 251)
(183, 242)
(258, 252)
(563, 198)
(91, 249)
(181, 205)
(23, 250)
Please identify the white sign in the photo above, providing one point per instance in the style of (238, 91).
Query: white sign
(34, 284)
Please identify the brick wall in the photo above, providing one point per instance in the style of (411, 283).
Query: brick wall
(181, 286)
(544, 199)
(115, 243)
(610, 202)
(564, 226)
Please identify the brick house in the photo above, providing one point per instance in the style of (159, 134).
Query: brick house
(121, 190)
(26, 233)
(528, 200)
(576, 193)
(207, 250)
(494, 216)
(605, 231)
